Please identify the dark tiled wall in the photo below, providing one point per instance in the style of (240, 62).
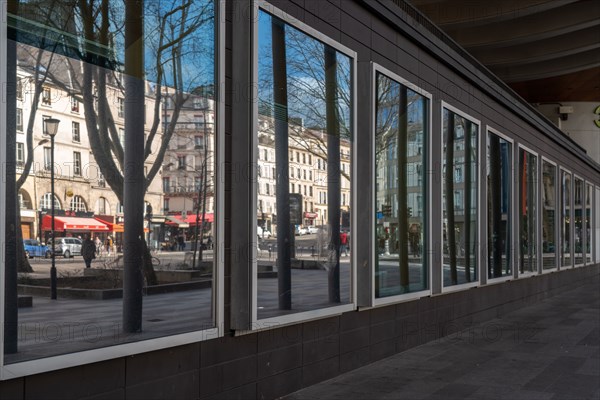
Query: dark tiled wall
(272, 363)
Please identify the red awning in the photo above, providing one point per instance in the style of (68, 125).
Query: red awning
(190, 219)
(117, 227)
(113, 227)
(73, 224)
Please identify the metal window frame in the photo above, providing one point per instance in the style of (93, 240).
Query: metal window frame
(369, 286)
(537, 225)
(580, 178)
(247, 320)
(3, 138)
(25, 368)
(484, 271)
(562, 208)
(544, 159)
(588, 185)
(462, 286)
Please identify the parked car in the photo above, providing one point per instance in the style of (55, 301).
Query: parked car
(33, 248)
(67, 246)
(312, 229)
(262, 233)
(300, 230)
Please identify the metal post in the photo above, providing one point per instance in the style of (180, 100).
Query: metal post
(133, 191)
(11, 311)
(285, 234)
(51, 128)
(52, 252)
(333, 173)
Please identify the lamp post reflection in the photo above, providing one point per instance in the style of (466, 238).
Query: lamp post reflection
(50, 128)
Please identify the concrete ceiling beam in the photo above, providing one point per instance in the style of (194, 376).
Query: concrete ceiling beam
(543, 69)
(569, 44)
(531, 28)
(460, 14)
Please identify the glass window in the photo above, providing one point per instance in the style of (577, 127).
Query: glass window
(566, 216)
(401, 127)
(85, 83)
(578, 217)
(101, 180)
(588, 216)
(47, 158)
(499, 202)
(120, 107)
(74, 104)
(46, 96)
(46, 202)
(76, 163)
(527, 212)
(460, 209)
(44, 127)
(20, 89)
(303, 79)
(548, 215)
(78, 204)
(75, 128)
(20, 154)
(19, 116)
(102, 206)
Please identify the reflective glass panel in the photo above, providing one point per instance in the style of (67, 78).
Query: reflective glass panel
(138, 83)
(400, 148)
(499, 202)
(548, 215)
(459, 190)
(589, 193)
(528, 187)
(303, 188)
(579, 217)
(566, 217)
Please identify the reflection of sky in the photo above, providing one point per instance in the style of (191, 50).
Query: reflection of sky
(306, 76)
(388, 114)
(198, 46)
(197, 54)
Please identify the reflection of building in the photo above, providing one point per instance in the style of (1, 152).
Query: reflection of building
(387, 187)
(307, 174)
(189, 156)
(548, 208)
(80, 187)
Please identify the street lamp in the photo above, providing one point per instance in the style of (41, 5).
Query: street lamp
(39, 211)
(50, 128)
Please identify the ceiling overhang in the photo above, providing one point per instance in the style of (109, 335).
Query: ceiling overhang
(529, 44)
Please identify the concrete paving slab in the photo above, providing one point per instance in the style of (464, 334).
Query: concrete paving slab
(546, 351)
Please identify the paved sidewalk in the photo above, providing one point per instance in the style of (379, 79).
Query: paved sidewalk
(550, 350)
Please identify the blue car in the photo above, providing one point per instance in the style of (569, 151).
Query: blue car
(34, 248)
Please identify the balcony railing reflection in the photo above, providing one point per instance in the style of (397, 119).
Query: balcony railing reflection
(187, 189)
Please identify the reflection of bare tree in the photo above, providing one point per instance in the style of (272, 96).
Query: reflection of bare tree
(467, 129)
(549, 209)
(449, 185)
(460, 140)
(38, 60)
(99, 82)
(395, 131)
(308, 104)
(495, 204)
(307, 82)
